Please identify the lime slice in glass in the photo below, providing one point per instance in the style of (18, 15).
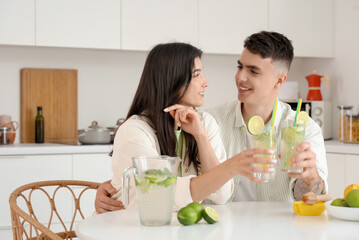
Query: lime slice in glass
(210, 215)
(255, 125)
(303, 118)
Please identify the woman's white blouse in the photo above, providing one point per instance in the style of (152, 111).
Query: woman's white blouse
(136, 138)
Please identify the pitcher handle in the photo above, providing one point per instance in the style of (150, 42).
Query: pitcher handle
(126, 185)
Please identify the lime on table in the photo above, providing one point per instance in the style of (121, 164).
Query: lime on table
(187, 216)
(303, 118)
(255, 125)
(210, 215)
(199, 209)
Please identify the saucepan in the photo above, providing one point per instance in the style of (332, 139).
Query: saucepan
(114, 128)
(95, 134)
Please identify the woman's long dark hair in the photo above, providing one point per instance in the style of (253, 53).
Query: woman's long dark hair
(167, 72)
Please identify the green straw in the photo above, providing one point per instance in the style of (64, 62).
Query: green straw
(299, 106)
(274, 113)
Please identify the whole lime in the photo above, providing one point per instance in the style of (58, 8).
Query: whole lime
(199, 209)
(187, 216)
(339, 202)
(353, 198)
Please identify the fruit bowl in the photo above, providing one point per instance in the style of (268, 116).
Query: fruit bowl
(344, 213)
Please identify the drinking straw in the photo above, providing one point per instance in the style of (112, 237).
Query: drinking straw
(274, 112)
(299, 105)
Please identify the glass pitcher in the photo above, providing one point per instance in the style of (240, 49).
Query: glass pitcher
(155, 180)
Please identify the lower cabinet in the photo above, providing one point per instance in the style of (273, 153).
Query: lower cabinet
(343, 171)
(16, 171)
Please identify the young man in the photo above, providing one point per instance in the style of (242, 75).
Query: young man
(262, 70)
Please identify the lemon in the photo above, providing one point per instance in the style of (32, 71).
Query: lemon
(199, 209)
(353, 198)
(339, 202)
(187, 216)
(303, 118)
(255, 125)
(210, 215)
(349, 188)
(308, 210)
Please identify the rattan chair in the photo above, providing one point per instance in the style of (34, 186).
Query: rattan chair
(24, 219)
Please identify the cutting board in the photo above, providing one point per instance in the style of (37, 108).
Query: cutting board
(56, 91)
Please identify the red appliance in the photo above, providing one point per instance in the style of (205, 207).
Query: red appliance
(314, 81)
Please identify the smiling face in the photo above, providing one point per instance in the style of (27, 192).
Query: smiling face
(257, 79)
(195, 92)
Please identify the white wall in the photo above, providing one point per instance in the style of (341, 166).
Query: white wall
(108, 79)
(343, 69)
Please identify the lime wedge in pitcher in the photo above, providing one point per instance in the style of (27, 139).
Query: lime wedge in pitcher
(255, 125)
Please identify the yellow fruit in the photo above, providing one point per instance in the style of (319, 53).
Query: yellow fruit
(308, 210)
(349, 188)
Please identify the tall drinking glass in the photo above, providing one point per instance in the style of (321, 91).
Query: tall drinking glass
(266, 140)
(291, 137)
(155, 180)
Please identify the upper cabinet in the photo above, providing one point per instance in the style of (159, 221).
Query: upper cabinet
(80, 23)
(17, 22)
(215, 26)
(309, 24)
(224, 25)
(146, 23)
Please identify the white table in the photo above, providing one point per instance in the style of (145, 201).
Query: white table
(241, 220)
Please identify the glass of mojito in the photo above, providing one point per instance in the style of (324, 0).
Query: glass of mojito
(291, 137)
(266, 140)
(155, 180)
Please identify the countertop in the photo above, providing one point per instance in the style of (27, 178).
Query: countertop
(238, 220)
(332, 146)
(52, 148)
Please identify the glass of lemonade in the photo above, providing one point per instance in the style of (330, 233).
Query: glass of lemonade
(155, 180)
(266, 140)
(291, 137)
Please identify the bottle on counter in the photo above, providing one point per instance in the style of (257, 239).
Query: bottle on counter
(39, 126)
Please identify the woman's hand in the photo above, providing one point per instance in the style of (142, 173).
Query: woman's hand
(187, 118)
(245, 163)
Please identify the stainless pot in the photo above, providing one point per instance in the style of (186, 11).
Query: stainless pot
(114, 129)
(95, 134)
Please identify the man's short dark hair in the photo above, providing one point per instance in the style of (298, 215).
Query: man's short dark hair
(271, 45)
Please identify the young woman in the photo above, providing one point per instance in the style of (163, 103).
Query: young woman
(171, 86)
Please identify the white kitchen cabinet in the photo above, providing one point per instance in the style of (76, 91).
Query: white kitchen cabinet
(343, 171)
(92, 167)
(309, 24)
(336, 174)
(224, 25)
(79, 23)
(352, 169)
(16, 171)
(17, 22)
(147, 23)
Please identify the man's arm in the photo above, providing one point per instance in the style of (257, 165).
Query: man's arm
(309, 180)
(104, 203)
